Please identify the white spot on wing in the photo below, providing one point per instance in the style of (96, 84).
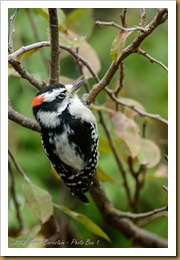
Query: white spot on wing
(71, 177)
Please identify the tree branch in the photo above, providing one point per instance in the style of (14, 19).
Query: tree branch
(143, 17)
(114, 218)
(123, 17)
(12, 31)
(140, 112)
(145, 54)
(18, 167)
(13, 60)
(165, 188)
(133, 29)
(121, 78)
(16, 204)
(26, 75)
(117, 158)
(54, 40)
(21, 119)
(143, 222)
(159, 18)
(82, 60)
(139, 177)
(130, 215)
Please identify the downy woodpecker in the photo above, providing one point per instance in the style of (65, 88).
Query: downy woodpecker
(69, 135)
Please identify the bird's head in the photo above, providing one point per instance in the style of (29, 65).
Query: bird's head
(55, 96)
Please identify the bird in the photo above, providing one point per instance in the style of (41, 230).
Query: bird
(69, 135)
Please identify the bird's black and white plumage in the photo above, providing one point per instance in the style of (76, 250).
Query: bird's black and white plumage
(69, 135)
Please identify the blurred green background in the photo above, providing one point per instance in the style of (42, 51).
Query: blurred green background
(144, 81)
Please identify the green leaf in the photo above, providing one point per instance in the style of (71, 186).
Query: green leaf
(39, 201)
(81, 21)
(61, 17)
(43, 12)
(104, 147)
(27, 54)
(119, 44)
(128, 131)
(85, 221)
(61, 20)
(68, 38)
(150, 153)
(103, 176)
(71, 39)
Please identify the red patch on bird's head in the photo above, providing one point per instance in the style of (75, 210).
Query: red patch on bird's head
(37, 100)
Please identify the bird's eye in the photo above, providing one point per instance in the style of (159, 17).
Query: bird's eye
(62, 95)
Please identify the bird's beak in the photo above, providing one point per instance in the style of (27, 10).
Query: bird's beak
(76, 85)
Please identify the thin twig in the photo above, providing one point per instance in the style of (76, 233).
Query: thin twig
(142, 169)
(136, 28)
(15, 55)
(55, 51)
(23, 174)
(118, 160)
(121, 78)
(139, 177)
(145, 54)
(165, 188)
(131, 215)
(123, 17)
(139, 181)
(140, 112)
(144, 221)
(16, 203)
(82, 60)
(12, 31)
(144, 129)
(21, 119)
(26, 75)
(143, 17)
(166, 157)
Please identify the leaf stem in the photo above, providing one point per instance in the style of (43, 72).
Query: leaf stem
(23, 174)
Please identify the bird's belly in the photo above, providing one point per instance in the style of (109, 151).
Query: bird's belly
(67, 152)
